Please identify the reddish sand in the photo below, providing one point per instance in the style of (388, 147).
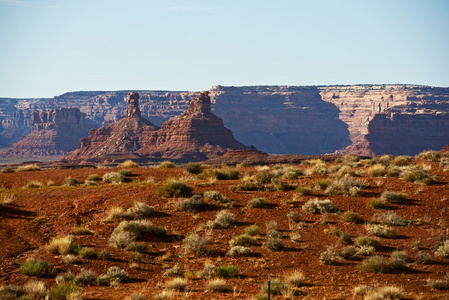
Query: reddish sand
(37, 215)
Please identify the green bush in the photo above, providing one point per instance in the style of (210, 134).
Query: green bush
(304, 190)
(174, 189)
(227, 271)
(65, 290)
(193, 204)
(377, 264)
(93, 177)
(36, 268)
(166, 164)
(193, 168)
(350, 216)
(258, 203)
(69, 181)
(137, 247)
(86, 252)
(252, 230)
(126, 172)
(322, 184)
(366, 241)
(227, 174)
(393, 197)
(242, 240)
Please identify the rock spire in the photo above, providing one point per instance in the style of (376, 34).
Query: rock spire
(133, 110)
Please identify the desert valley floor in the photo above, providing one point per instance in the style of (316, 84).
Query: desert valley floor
(298, 229)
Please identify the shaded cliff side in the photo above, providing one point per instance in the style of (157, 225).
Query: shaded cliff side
(54, 132)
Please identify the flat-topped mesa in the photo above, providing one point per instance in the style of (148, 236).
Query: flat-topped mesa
(200, 105)
(133, 110)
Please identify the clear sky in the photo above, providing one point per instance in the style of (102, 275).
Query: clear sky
(48, 47)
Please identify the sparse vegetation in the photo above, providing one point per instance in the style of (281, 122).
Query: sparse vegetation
(127, 164)
(166, 164)
(113, 177)
(224, 219)
(35, 267)
(195, 244)
(174, 189)
(28, 168)
(259, 203)
(317, 206)
(393, 197)
(193, 168)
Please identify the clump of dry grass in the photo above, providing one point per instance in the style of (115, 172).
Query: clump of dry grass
(217, 285)
(224, 219)
(128, 164)
(28, 168)
(63, 245)
(317, 206)
(178, 283)
(195, 244)
(7, 198)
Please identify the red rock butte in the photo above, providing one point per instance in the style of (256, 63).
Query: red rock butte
(195, 135)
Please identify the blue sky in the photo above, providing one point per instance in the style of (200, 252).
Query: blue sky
(49, 47)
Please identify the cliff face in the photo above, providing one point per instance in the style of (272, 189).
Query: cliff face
(275, 119)
(195, 135)
(53, 133)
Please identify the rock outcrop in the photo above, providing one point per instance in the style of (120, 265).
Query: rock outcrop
(54, 132)
(279, 119)
(122, 137)
(193, 136)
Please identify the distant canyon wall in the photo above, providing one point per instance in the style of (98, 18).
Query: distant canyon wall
(280, 119)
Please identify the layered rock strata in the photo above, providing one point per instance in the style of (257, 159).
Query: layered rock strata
(54, 132)
(125, 136)
(281, 119)
(193, 136)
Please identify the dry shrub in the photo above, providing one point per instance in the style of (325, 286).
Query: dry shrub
(128, 164)
(224, 219)
(113, 177)
(346, 186)
(217, 285)
(295, 278)
(381, 231)
(7, 198)
(195, 244)
(178, 283)
(28, 168)
(317, 206)
(174, 188)
(63, 245)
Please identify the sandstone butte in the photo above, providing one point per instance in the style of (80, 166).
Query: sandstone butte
(195, 135)
(54, 132)
(308, 120)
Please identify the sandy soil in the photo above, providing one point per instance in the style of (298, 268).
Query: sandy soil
(39, 214)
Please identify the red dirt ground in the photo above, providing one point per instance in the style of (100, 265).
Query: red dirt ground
(40, 214)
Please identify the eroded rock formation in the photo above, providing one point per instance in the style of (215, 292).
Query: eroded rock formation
(54, 132)
(195, 135)
(124, 136)
(276, 119)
